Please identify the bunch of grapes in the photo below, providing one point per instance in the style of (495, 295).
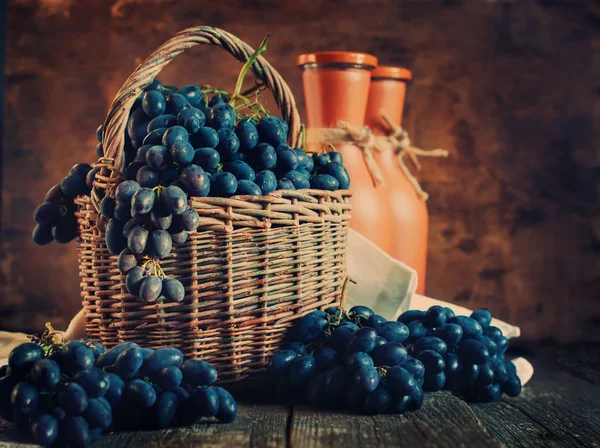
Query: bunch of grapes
(209, 147)
(462, 354)
(353, 361)
(143, 224)
(70, 394)
(55, 218)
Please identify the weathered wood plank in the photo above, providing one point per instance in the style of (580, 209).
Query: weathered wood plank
(256, 427)
(443, 421)
(555, 409)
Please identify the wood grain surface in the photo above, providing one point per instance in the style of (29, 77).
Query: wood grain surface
(509, 88)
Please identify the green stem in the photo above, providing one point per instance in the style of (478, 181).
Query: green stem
(246, 67)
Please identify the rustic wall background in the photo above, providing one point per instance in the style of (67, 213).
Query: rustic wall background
(510, 88)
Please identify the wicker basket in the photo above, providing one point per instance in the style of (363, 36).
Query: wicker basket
(254, 265)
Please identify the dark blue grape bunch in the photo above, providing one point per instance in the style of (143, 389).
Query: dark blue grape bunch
(465, 355)
(143, 225)
(55, 219)
(69, 394)
(353, 360)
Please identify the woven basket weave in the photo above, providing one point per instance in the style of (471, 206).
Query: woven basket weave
(254, 265)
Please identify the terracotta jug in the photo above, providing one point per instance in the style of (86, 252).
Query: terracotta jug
(336, 87)
(409, 216)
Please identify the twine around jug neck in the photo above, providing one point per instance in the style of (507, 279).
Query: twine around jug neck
(397, 141)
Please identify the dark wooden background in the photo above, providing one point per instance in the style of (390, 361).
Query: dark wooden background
(511, 88)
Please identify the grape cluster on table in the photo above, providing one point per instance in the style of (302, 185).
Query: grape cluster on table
(70, 396)
(361, 361)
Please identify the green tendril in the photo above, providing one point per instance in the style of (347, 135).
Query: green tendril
(240, 81)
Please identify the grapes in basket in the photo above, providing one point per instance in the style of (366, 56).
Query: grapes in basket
(363, 362)
(69, 394)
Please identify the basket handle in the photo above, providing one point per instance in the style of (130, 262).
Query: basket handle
(116, 120)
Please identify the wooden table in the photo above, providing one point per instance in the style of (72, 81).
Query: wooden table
(559, 407)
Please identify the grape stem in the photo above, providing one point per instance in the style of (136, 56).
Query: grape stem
(245, 68)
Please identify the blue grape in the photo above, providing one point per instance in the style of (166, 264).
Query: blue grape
(42, 234)
(430, 343)
(374, 320)
(194, 178)
(241, 170)
(366, 379)
(435, 317)
(434, 382)
(502, 345)
(129, 363)
(22, 358)
(189, 220)
(483, 316)
(500, 371)
(287, 159)
(143, 201)
(140, 394)
(486, 375)
(361, 314)
(48, 213)
(107, 207)
(205, 137)
(310, 327)
(158, 158)
(470, 373)
(380, 341)
(338, 171)
(73, 185)
(150, 288)
(173, 290)
(162, 121)
(402, 404)
(108, 358)
(400, 380)
(160, 218)
(91, 177)
(115, 389)
(414, 367)
(335, 156)
(58, 413)
(155, 137)
(247, 187)
(271, 131)
(133, 280)
(176, 103)
(74, 431)
(147, 177)
(44, 428)
(388, 354)
(341, 336)
(218, 99)
(160, 243)
(98, 413)
(472, 351)
(357, 360)
(207, 158)
(321, 161)
(137, 125)
(433, 361)
(491, 346)
(337, 382)
(299, 179)
(492, 332)
(44, 374)
(99, 131)
(303, 159)
(392, 331)
(192, 124)
(174, 200)
(168, 378)
(451, 334)
(452, 370)
(470, 326)
(132, 170)
(164, 357)
(326, 357)
(316, 392)
(417, 330)
(512, 386)
(24, 398)
(265, 156)
(178, 236)
(99, 150)
(137, 240)
(281, 361)
(164, 409)
(222, 116)
(225, 185)
(72, 397)
(76, 356)
(94, 381)
(228, 144)
(324, 182)
(154, 85)
(205, 401)
(198, 373)
(153, 103)
(284, 184)
(227, 406)
(303, 369)
(175, 134)
(247, 135)
(191, 113)
(193, 94)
